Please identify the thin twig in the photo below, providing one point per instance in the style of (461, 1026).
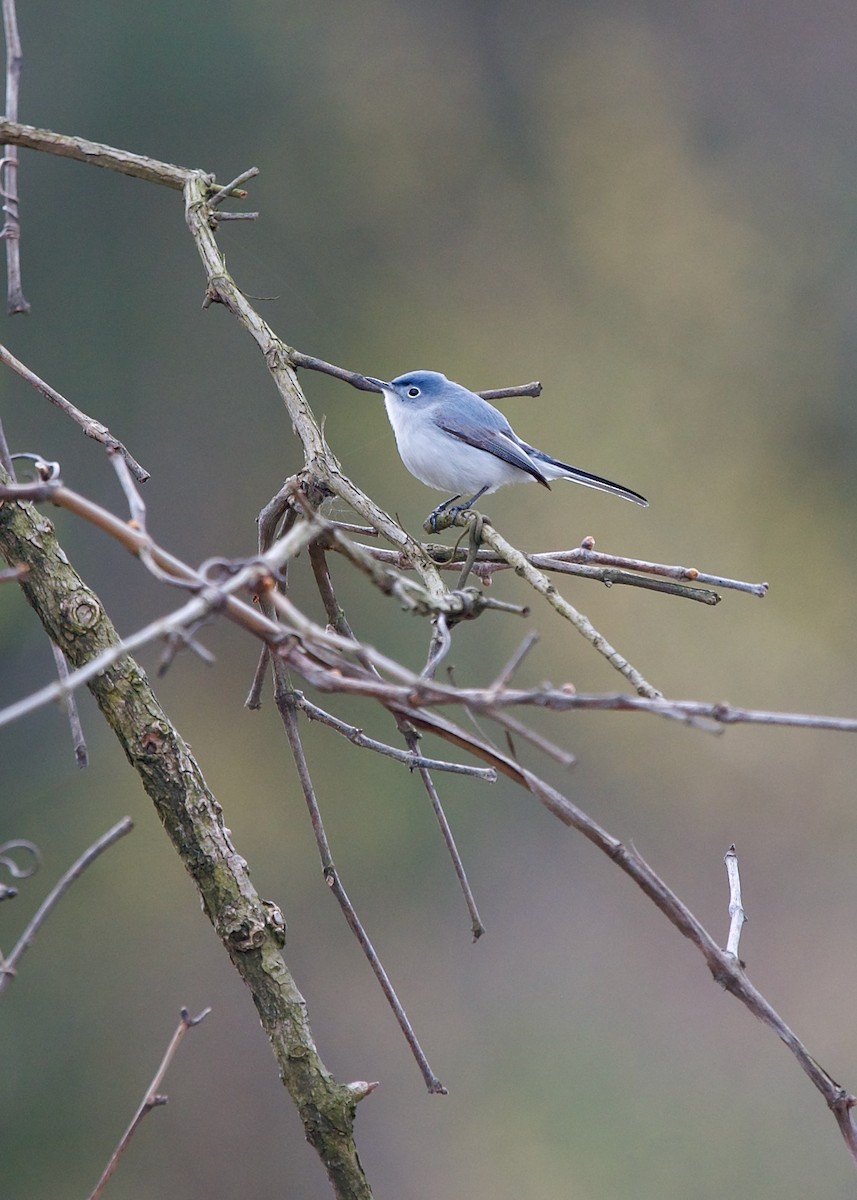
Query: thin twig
(152, 1098)
(737, 916)
(331, 876)
(573, 562)
(5, 455)
(408, 758)
(16, 302)
(476, 926)
(310, 363)
(92, 428)
(228, 190)
(512, 725)
(504, 676)
(540, 583)
(62, 885)
(78, 740)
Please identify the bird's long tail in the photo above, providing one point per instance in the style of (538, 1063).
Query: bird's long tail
(554, 469)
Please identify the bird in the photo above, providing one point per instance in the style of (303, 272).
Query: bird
(451, 439)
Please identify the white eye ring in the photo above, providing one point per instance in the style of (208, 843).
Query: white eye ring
(413, 391)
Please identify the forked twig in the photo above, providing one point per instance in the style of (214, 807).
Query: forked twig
(331, 876)
(152, 1098)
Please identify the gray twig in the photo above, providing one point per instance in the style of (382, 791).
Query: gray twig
(152, 1098)
(16, 302)
(78, 740)
(289, 715)
(409, 758)
(92, 428)
(9, 966)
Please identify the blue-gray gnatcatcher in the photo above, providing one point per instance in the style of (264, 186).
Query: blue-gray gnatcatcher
(453, 440)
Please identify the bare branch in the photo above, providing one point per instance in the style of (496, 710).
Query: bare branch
(92, 428)
(9, 967)
(408, 758)
(288, 713)
(309, 363)
(540, 583)
(16, 302)
(573, 562)
(476, 926)
(78, 740)
(152, 1099)
(99, 155)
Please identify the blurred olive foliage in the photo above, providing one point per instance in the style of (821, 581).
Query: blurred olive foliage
(648, 207)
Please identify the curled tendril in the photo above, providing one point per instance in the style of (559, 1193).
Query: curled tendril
(47, 471)
(14, 869)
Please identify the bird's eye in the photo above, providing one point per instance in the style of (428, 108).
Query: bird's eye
(413, 391)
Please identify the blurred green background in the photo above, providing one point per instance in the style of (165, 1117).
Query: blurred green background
(650, 208)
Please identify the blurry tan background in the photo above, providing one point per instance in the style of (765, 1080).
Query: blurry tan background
(650, 208)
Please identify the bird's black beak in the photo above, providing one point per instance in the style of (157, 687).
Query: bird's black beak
(378, 383)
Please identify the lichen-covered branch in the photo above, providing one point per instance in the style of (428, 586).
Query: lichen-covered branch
(251, 929)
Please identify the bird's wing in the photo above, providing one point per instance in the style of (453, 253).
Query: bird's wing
(497, 441)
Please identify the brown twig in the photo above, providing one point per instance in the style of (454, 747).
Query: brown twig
(60, 887)
(232, 189)
(152, 1098)
(310, 363)
(96, 154)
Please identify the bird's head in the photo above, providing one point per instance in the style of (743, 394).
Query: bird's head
(416, 389)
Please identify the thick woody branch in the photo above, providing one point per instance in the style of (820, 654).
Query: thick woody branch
(99, 155)
(250, 928)
(320, 459)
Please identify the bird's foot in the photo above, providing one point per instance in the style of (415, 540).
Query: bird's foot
(443, 518)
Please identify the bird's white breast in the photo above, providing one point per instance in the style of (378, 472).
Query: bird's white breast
(440, 460)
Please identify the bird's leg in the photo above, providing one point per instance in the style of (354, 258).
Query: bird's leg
(452, 513)
(460, 508)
